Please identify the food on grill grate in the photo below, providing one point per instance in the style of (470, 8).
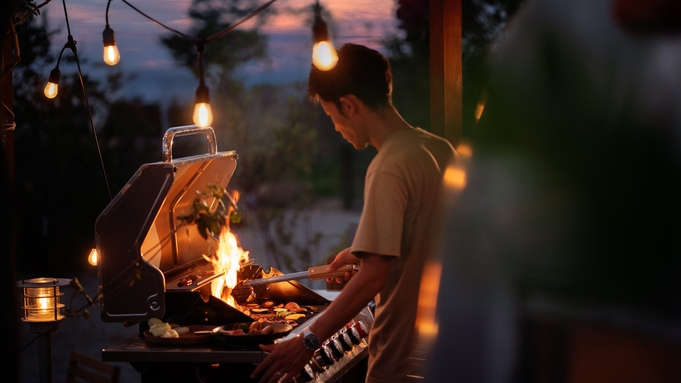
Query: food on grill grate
(243, 294)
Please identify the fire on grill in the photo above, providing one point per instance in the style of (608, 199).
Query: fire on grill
(152, 265)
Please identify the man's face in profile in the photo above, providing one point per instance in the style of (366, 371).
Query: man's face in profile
(344, 126)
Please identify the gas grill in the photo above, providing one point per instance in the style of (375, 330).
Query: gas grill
(151, 265)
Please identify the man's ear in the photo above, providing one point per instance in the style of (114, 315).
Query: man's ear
(350, 105)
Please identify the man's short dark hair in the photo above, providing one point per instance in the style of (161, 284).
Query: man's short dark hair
(360, 71)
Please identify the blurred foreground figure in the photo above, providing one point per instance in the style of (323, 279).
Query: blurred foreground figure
(562, 260)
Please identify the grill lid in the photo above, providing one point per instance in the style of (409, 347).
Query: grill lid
(137, 235)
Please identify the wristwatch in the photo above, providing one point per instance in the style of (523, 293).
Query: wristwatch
(311, 340)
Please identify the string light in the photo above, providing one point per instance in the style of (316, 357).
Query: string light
(92, 257)
(324, 55)
(52, 87)
(111, 54)
(203, 113)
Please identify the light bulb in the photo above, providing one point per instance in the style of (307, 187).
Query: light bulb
(111, 54)
(52, 87)
(324, 55)
(203, 114)
(92, 257)
(51, 90)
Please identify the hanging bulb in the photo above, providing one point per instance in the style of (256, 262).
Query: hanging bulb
(92, 257)
(324, 55)
(111, 54)
(203, 114)
(52, 87)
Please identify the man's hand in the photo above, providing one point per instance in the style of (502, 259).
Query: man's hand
(284, 361)
(342, 258)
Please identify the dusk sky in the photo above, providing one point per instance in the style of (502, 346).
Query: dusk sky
(158, 78)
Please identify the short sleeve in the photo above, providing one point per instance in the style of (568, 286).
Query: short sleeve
(381, 225)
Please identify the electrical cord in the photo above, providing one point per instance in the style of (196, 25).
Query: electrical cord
(71, 44)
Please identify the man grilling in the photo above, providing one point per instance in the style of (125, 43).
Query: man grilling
(395, 233)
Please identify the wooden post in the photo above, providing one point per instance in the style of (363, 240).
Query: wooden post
(6, 98)
(446, 93)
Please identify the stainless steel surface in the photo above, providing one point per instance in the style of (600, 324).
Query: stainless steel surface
(177, 131)
(279, 278)
(314, 273)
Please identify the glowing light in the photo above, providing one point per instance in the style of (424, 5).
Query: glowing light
(51, 90)
(480, 107)
(111, 54)
(92, 257)
(478, 111)
(426, 321)
(455, 177)
(324, 56)
(465, 150)
(52, 87)
(41, 299)
(203, 114)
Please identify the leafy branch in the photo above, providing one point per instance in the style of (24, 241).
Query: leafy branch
(208, 221)
(78, 290)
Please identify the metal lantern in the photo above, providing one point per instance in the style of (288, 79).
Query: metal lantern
(41, 299)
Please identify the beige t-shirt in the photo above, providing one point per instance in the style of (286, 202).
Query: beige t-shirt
(402, 186)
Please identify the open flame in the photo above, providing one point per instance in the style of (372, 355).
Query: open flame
(228, 260)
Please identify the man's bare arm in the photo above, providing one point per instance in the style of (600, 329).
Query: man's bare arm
(356, 294)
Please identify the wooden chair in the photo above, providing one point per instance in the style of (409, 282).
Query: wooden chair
(86, 369)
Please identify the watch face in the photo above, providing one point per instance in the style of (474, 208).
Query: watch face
(311, 341)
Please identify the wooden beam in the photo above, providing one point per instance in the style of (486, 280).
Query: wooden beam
(6, 92)
(446, 95)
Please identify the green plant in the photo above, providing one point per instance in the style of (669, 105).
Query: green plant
(208, 221)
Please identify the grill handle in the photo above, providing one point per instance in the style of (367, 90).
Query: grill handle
(186, 130)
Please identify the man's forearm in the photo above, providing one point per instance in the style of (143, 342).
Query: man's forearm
(356, 294)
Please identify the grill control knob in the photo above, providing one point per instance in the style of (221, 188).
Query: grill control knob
(361, 328)
(306, 375)
(319, 363)
(354, 335)
(316, 367)
(345, 340)
(336, 348)
(327, 355)
(357, 331)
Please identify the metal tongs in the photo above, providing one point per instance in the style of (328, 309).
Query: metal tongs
(313, 273)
